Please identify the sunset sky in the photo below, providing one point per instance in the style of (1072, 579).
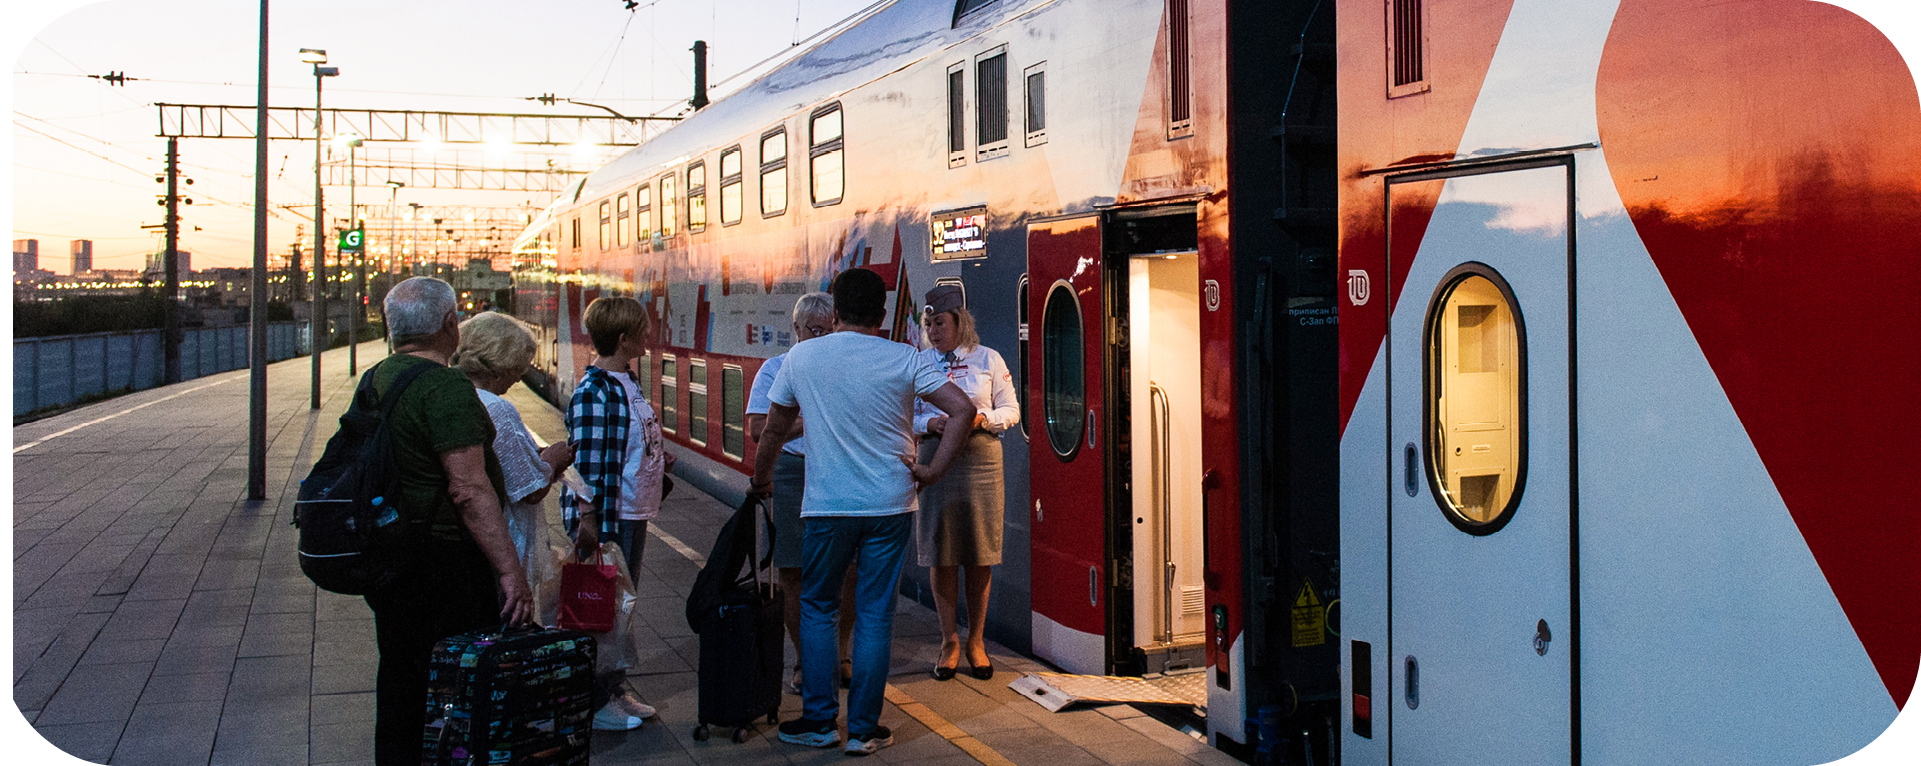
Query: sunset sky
(84, 153)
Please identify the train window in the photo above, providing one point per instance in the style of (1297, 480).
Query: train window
(1063, 370)
(1476, 399)
(957, 115)
(1020, 391)
(773, 173)
(696, 197)
(645, 366)
(1035, 78)
(730, 187)
(643, 213)
(1180, 96)
(1406, 44)
(606, 221)
(697, 401)
(990, 97)
(826, 156)
(669, 207)
(669, 394)
(576, 232)
(965, 8)
(733, 411)
(622, 223)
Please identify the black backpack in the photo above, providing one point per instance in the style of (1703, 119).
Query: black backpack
(352, 528)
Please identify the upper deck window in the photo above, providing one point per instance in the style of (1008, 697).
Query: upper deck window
(669, 206)
(957, 115)
(697, 197)
(621, 221)
(644, 213)
(730, 186)
(773, 172)
(965, 8)
(605, 222)
(990, 87)
(1036, 88)
(826, 155)
(1406, 44)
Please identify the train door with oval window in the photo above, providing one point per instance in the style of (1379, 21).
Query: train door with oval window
(1481, 517)
(1068, 465)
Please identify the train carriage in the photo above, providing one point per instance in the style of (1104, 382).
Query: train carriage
(1074, 166)
(1624, 378)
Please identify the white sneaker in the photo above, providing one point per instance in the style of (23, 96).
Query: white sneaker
(613, 718)
(630, 702)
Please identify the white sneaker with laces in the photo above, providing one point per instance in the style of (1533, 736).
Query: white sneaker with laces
(612, 717)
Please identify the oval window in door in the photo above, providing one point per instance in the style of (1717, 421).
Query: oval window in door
(1063, 370)
(1476, 400)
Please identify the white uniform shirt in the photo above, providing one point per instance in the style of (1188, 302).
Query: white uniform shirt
(982, 375)
(758, 404)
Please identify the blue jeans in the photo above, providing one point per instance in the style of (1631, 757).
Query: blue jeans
(875, 546)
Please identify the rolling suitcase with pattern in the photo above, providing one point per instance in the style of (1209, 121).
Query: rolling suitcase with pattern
(522, 697)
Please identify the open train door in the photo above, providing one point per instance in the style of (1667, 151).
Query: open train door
(1068, 463)
(1483, 627)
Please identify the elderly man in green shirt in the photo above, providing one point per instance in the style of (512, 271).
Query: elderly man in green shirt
(465, 575)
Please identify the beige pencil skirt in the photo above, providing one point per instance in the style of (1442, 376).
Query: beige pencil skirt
(961, 516)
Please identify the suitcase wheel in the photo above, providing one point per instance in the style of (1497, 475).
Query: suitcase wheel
(700, 733)
(740, 734)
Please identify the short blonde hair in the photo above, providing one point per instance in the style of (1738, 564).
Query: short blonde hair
(609, 318)
(494, 344)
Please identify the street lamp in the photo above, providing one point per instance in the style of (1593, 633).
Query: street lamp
(316, 57)
(393, 203)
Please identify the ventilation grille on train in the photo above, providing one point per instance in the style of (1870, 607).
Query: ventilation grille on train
(1193, 599)
(1406, 43)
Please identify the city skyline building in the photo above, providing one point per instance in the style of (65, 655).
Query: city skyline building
(81, 253)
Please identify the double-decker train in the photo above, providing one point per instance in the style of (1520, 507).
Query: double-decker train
(1506, 381)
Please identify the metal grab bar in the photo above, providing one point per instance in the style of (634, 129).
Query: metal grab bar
(1163, 463)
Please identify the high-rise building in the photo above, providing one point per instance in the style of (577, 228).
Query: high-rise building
(82, 251)
(26, 256)
(157, 264)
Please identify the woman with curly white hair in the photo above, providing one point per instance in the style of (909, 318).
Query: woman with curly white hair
(495, 350)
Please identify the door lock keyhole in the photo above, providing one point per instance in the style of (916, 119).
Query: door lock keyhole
(1541, 638)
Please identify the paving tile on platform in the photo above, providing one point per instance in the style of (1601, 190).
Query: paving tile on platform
(106, 651)
(353, 707)
(340, 679)
(94, 693)
(172, 688)
(169, 734)
(91, 741)
(342, 742)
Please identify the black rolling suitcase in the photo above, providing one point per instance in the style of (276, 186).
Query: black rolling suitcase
(523, 697)
(739, 619)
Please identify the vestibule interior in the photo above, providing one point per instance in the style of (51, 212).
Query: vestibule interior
(1164, 313)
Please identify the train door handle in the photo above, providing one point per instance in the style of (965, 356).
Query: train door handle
(1408, 459)
(1541, 638)
(1038, 515)
(1412, 682)
(1091, 423)
(1093, 586)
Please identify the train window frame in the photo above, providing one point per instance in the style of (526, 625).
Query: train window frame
(1020, 391)
(966, 9)
(697, 423)
(576, 233)
(819, 149)
(696, 196)
(669, 206)
(1180, 70)
(606, 224)
(621, 220)
(669, 414)
(990, 105)
(733, 411)
(1404, 67)
(1077, 412)
(643, 213)
(956, 114)
(772, 168)
(731, 184)
(1034, 104)
(1431, 341)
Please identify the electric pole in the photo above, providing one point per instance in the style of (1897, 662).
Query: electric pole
(171, 263)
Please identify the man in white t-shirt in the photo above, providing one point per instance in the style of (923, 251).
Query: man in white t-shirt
(858, 391)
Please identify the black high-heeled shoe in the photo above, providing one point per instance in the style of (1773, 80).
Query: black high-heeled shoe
(984, 672)
(944, 673)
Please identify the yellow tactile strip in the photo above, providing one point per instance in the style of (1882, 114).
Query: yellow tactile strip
(947, 730)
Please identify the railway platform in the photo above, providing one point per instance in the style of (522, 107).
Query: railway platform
(161, 618)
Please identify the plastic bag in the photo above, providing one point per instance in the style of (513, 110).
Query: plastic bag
(617, 649)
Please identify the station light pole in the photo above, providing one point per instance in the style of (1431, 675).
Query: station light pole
(258, 300)
(316, 57)
(393, 242)
(355, 311)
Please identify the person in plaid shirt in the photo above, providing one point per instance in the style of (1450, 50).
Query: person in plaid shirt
(619, 453)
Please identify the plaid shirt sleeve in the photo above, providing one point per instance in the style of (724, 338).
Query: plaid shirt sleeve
(597, 428)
